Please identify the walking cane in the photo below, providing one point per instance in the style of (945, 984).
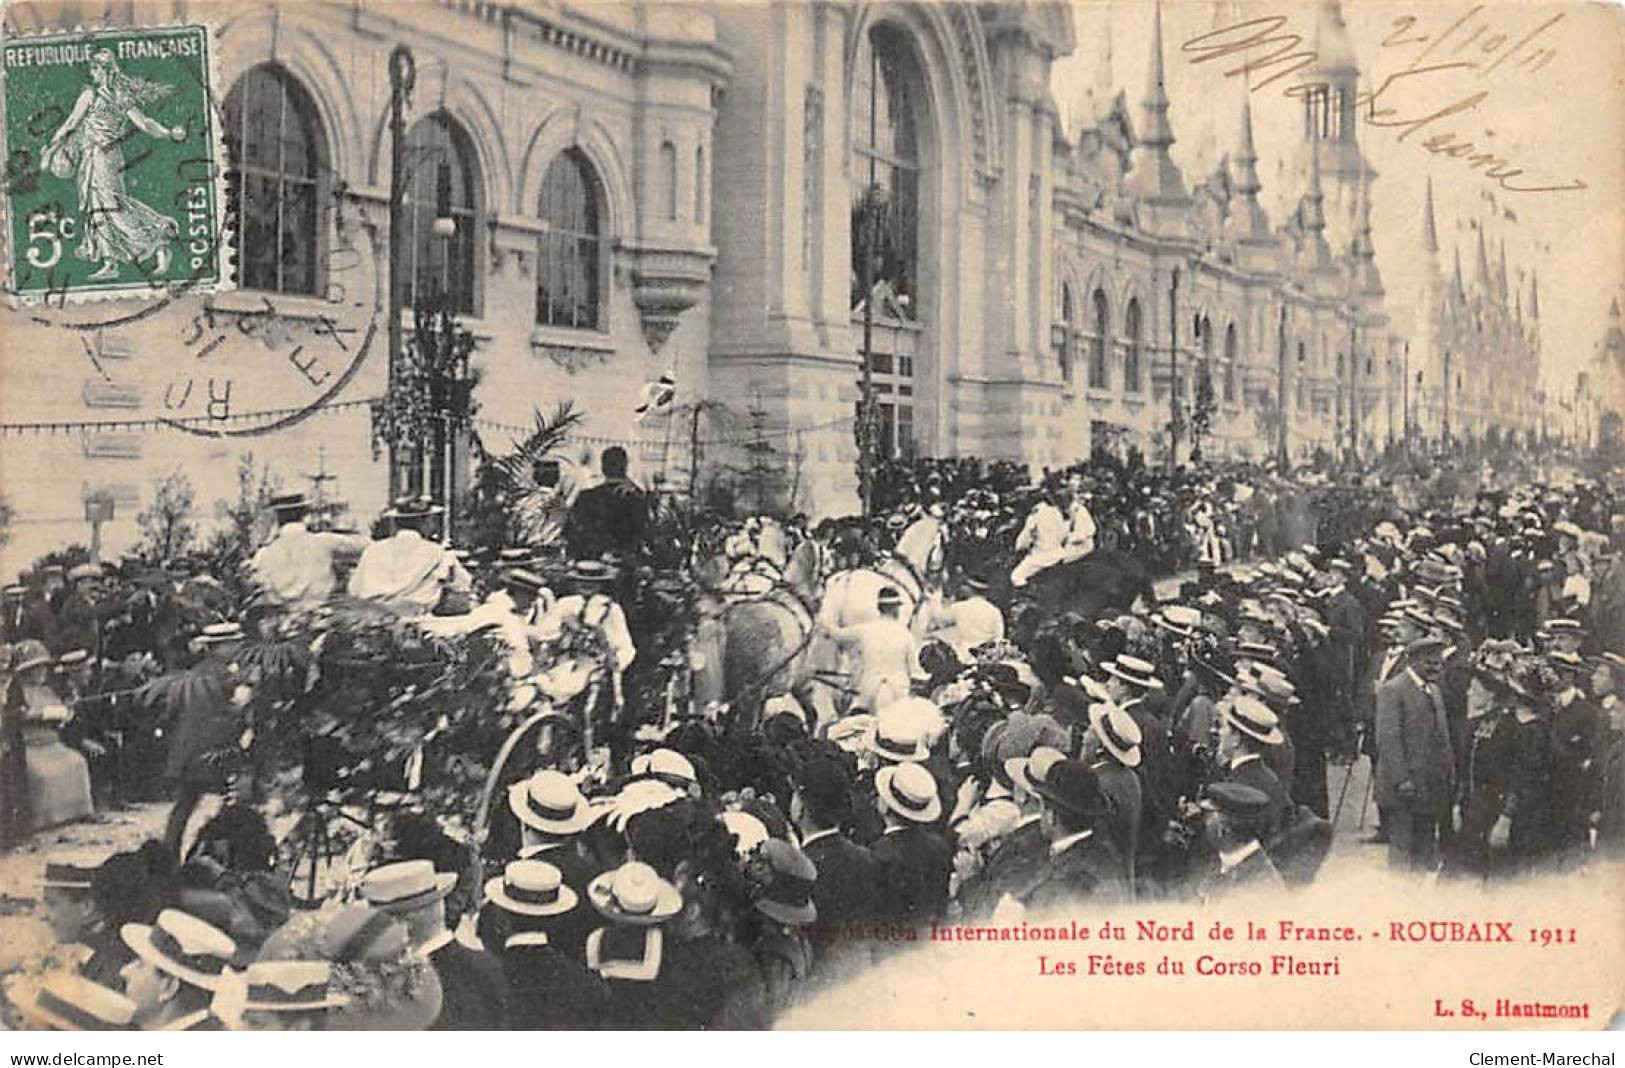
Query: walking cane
(1365, 800)
(1348, 776)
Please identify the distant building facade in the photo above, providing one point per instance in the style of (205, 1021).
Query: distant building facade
(606, 192)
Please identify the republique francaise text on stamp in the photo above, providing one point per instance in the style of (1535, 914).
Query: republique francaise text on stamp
(112, 183)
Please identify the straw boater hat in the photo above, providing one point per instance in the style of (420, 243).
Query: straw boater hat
(748, 830)
(81, 572)
(550, 802)
(897, 740)
(634, 894)
(789, 875)
(67, 1001)
(290, 986)
(1117, 731)
(183, 946)
(909, 791)
(1132, 669)
(888, 596)
(531, 888)
(413, 508)
(1255, 719)
(406, 885)
(68, 878)
(286, 506)
(667, 765)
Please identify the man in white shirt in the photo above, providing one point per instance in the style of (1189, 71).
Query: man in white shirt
(1080, 530)
(1042, 537)
(887, 653)
(512, 611)
(406, 571)
(295, 568)
(971, 621)
(590, 604)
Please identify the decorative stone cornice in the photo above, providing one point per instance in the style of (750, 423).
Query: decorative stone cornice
(667, 280)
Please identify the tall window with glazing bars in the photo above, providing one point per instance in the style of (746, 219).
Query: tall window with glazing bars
(276, 181)
(570, 277)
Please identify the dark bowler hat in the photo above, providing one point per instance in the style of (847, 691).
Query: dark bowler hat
(1236, 801)
(1069, 784)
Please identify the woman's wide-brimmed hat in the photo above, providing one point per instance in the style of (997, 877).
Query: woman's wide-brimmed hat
(910, 791)
(550, 802)
(181, 945)
(30, 653)
(291, 986)
(634, 894)
(531, 888)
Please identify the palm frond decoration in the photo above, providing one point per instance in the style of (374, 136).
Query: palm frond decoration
(515, 485)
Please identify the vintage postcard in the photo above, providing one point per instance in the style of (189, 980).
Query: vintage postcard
(465, 565)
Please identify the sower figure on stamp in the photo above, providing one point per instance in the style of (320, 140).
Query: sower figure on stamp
(117, 227)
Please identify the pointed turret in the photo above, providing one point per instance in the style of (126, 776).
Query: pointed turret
(1368, 277)
(1247, 217)
(1534, 297)
(1430, 229)
(1483, 279)
(1153, 174)
(1459, 291)
(1501, 274)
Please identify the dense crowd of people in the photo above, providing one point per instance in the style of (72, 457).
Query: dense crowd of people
(993, 753)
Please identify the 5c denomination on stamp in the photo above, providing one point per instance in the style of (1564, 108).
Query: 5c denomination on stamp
(112, 184)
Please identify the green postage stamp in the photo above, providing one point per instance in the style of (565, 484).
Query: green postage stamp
(113, 182)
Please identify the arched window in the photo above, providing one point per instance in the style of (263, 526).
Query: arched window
(668, 178)
(1063, 354)
(441, 183)
(1102, 338)
(886, 110)
(1134, 330)
(699, 184)
(277, 154)
(1230, 362)
(570, 276)
(886, 165)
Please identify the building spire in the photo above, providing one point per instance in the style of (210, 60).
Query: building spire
(1534, 296)
(1430, 230)
(1249, 217)
(1460, 290)
(1501, 273)
(1483, 262)
(1153, 173)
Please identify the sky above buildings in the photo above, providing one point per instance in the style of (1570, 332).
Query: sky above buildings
(1545, 93)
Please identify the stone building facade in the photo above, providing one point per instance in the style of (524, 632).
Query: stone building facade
(608, 192)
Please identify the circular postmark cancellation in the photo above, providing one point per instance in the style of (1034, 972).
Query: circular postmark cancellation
(120, 200)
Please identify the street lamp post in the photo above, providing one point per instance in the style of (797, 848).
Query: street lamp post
(1354, 387)
(402, 74)
(1173, 370)
(1280, 388)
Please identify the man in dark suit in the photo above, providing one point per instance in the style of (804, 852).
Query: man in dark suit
(552, 815)
(845, 891)
(1017, 859)
(1083, 863)
(915, 861)
(1234, 815)
(1417, 767)
(608, 517)
(547, 988)
(1251, 730)
(472, 983)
